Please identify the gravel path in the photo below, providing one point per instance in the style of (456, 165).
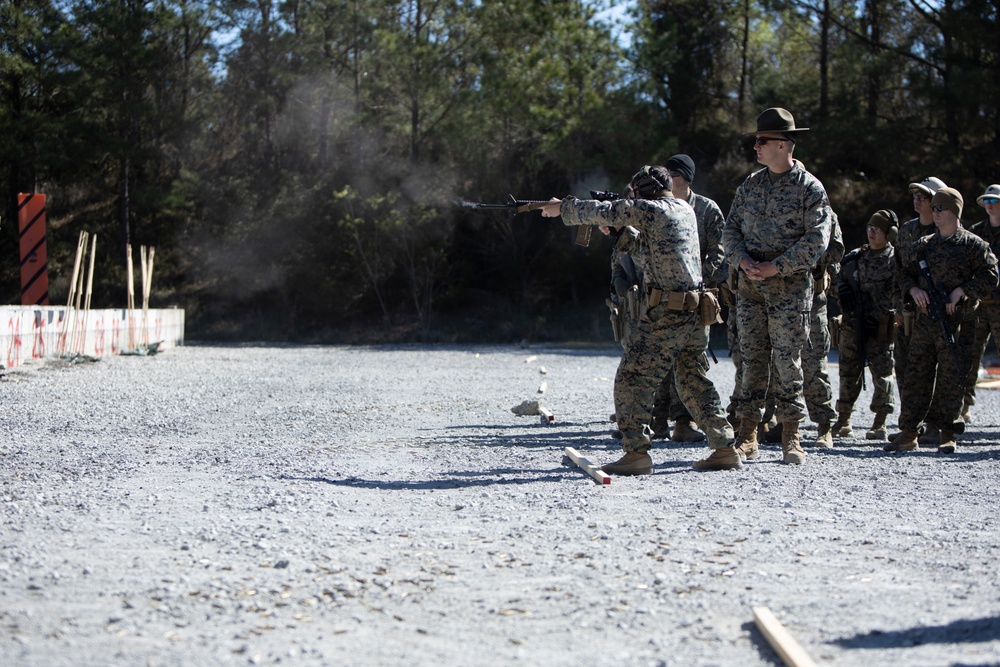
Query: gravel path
(383, 506)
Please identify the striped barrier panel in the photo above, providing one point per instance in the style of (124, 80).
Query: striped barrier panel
(34, 255)
(33, 332)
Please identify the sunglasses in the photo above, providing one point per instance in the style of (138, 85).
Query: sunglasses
(991, 200)
(760, 141)
(938, 209)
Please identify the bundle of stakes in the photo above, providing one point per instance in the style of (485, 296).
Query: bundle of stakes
(72, 340)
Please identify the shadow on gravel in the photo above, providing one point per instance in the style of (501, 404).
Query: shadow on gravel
(473, 479)
(759, 641)
(966, 630)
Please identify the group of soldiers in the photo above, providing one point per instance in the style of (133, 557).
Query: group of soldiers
(923, 290)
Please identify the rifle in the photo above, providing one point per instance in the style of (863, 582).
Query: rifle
(860, 339)
(938, 312)
(527, 205)
(584, 231)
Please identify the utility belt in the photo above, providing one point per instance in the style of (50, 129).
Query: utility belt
(765, 256)
(705, 301)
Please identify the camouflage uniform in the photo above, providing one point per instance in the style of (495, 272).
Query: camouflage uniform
(628, 243)
(961, 260)
(988, 315)
(667, 405)
(666, 338)
(788, 222)
(873, 273)
(906, 240)
(817, 389)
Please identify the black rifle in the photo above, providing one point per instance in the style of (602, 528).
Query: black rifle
(938, 312)
(860, 339)
(512, 204)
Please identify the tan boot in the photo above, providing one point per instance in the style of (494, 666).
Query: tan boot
(878, 430)
(947, 445)
(824, 438)
(723, 458)
(842, 429)
(746, 440)
(791, 446)
(906, 441)
(685, 432)
(633, 463)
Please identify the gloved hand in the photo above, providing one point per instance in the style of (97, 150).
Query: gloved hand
(847, 298)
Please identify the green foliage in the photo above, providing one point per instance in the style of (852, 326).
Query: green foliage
(297, 164)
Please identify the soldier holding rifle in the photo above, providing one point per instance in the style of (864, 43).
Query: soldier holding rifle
(672, 332)
(953, 270)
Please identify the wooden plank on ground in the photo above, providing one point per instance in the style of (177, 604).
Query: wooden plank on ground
(588, 466)
(780, 639)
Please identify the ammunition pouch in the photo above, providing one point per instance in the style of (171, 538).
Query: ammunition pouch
(710, 308)
(909, 317)
(886, 331)
(834, 325)
(678, 301)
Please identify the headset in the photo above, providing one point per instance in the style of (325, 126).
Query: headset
(645, 184)
(893, 225)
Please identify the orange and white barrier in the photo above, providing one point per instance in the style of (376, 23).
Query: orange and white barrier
(39, 332)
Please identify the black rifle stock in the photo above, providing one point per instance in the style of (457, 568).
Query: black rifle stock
(938, 312)
(860, 339)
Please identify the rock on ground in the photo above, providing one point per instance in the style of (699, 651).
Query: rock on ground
(383, 506)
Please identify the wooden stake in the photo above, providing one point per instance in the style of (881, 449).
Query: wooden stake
(780, 639)
(88, 293)
(588, 466)
(130, 299)
(67, 325)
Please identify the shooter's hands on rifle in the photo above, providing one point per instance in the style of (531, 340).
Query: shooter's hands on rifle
(953, 299)
(604, 229)
(921, 298)
(551, 210)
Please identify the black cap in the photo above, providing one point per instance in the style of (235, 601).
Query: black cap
(683, 165)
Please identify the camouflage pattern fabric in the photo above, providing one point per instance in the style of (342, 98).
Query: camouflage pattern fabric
(817, 390)
(791, 221)
(875, 272)
(711, 222)
(667, 404)
(664, 339)
(987, 317)
(628, 243)
(906, 240)
(961, 260)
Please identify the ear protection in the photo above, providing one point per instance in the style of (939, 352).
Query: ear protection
(893, 225)
(645, 184)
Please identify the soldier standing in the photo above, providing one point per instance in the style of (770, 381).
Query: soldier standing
(909, 233)
(667, 405)
(670, 333)
(779, 226)
(868, 296)
(953, 270)
(988, 316)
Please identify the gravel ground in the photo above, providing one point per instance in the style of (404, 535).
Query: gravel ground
(383, 506)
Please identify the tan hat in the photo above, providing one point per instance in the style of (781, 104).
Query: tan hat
(950, 199)
(928, 186)
(778, 120)
(992, 191)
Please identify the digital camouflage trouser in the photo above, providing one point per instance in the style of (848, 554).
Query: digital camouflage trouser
(669, 340)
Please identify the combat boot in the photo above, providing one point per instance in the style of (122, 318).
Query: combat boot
(947, 445)
(660, 428)
(878, 430)
(723, 458)
(746, 440)
(633, 463)
(684, 431)
(906, 441)
(842, 429)
(930, 436)
(824, 437)
(791, 446)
